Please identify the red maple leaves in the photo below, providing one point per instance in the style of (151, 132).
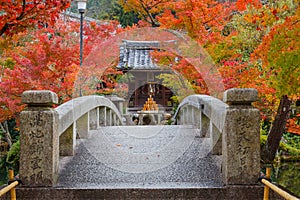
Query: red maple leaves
(18, 15)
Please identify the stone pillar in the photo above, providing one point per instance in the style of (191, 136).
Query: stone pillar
(192, 113)
(216, 140)
(184, 116)
(102, 116)
(187, 116)
(179, 118)
(114, 119)
(108, 117)
(241, 144)
(141, 116)
(118, 102)
(83, 126)
(121, 107)
(67, 141)
(39, 139)
(128, 119)
(159, 117)
(198, 118)
(94, 119)
(125, 106)
(205, 125)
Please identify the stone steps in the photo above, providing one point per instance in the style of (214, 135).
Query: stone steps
(224, 193)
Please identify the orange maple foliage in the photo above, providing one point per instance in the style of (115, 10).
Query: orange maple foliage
(241, 5)
(184, 68)
(204, 20)
(267, 31)
(292, 126)
(279, 52)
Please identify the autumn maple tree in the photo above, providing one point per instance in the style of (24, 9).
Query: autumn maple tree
(19, 15)
(46, 58)
(19, 67)
(16, 18)
(279, 53)
(37, 59)
(261, 51)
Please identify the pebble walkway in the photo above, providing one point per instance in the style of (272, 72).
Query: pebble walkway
(142, 157)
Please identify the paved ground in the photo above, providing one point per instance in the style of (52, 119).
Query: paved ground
(142, 157)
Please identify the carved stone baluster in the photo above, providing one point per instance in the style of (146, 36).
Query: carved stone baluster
(39, 142)
(241, 143)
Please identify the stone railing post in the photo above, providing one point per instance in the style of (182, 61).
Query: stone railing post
(240, 142)
(39, 142)
(102, 116)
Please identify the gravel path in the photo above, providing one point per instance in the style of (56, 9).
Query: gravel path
(142, 157)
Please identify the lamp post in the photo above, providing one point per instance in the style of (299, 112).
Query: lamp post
(81, 5)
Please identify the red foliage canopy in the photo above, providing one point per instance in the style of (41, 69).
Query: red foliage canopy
(18, 15)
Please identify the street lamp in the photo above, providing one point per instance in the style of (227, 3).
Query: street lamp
(81, 5)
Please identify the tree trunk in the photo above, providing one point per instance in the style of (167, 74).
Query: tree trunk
(276, 131)
(5, 130)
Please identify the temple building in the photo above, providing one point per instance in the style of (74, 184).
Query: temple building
(145, 90)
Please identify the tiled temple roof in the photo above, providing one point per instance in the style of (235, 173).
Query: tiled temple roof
(136, 55)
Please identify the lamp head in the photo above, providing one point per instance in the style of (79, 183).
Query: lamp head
(81, 5)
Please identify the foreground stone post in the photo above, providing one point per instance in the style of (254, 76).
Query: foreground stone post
(241, 144)
(39, 142)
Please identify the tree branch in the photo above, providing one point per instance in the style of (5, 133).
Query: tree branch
(23, 11)
(153, 21)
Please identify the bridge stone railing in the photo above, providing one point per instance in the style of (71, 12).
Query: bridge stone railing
(233, 126)
(47, 133)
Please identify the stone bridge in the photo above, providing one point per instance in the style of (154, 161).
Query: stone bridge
(212, 150)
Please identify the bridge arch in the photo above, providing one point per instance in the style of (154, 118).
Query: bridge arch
(75, 109)
(78, 116)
